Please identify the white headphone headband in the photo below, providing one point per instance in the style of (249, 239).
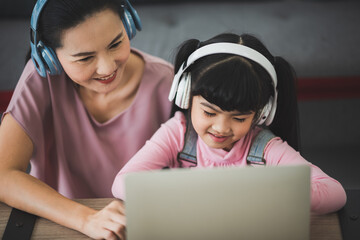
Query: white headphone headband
(231, 48)
(182, 90)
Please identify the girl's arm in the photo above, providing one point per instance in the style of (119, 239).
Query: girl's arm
(327, 194)
(23, 191)
(158, 153)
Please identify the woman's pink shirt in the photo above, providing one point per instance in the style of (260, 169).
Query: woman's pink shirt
(73, 153)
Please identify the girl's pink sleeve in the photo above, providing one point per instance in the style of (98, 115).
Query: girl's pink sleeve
(327, 194)
(157, 153)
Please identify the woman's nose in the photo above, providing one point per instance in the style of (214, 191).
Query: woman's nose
(106, 65)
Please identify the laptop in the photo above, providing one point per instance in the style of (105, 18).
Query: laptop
(252, 203)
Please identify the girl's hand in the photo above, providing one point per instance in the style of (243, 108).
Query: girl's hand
(108, 223)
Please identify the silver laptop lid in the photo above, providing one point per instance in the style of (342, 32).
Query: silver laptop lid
(219, 203)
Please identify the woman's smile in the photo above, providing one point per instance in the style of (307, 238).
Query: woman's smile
(107, 79)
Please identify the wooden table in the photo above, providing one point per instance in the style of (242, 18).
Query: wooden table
(325, 227)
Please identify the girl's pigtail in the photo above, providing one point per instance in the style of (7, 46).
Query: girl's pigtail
(286, 121)
(184, 51)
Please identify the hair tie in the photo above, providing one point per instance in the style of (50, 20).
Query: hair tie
(276, 60)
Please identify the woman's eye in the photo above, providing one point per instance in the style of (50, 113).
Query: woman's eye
(115, 45)
(85, 59)
(209, 114)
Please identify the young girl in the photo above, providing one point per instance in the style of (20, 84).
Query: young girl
(77, 113)
(229, 88)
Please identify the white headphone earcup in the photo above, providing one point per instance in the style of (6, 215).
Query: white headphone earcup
(273, 101)
(186, 98)
(263, 117)
(183, 91)
(174, 86)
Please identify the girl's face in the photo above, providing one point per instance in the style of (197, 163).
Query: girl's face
(94, 53)
(217, 128)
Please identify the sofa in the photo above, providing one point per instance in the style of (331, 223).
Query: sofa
(319, 38)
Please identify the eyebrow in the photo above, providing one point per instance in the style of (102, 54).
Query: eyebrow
(83, 54)
(218, 111)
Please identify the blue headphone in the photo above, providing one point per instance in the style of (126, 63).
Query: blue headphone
(45, 59)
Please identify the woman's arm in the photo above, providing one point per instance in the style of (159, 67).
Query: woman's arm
(23, 191)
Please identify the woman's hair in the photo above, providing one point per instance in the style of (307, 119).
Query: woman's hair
(233, 82)
(60, 15)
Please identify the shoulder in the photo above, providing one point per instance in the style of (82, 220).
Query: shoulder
(176, 124)
(155, 64)
(33, 94)
(278, 151)
(30, 78)
(173, 129)
(29, 75)
(30, 101)
(30, 85)
(156, 82)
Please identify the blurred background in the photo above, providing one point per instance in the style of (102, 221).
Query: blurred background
(319, 38)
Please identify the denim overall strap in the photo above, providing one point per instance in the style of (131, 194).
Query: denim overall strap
(188, 153)
(256, 153)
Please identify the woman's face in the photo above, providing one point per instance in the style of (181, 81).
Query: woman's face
(94, 53)
(218, 128)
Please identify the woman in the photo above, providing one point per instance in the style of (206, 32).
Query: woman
(84, 105)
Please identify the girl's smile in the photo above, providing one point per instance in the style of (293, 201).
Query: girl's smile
(218, 128)
(218, 138)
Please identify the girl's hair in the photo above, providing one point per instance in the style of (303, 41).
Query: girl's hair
(60, 15)
(233, 83)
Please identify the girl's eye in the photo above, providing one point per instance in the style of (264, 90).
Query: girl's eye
(209, 114)
(115, 45)
(240, 119)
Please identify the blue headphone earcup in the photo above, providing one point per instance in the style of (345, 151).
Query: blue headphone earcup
(131, 20)
(37, 60)
(135, 17)
(129, 24)
(52, 62)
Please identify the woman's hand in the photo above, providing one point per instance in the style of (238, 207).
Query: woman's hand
(108, 223)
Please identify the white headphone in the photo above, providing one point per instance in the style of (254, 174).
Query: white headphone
(181, 86)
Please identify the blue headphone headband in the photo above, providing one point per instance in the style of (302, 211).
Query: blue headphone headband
(45, 59)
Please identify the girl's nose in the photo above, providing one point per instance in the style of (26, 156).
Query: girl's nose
(221, 126)
(106, 65)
